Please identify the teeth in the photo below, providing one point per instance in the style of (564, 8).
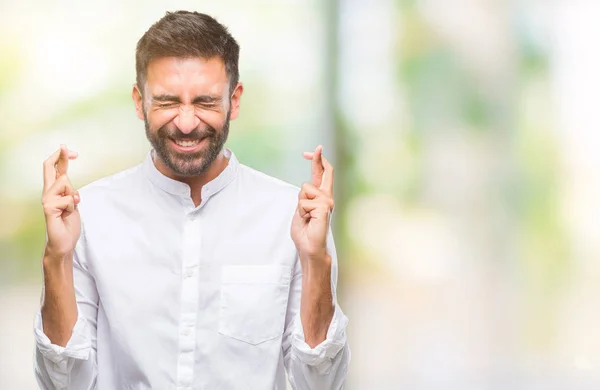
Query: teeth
(187, 143)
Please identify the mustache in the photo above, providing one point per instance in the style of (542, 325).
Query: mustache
(177, 135)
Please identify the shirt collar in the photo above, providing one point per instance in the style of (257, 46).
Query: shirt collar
(176, 187)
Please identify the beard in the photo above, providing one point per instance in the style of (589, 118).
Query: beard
(187, 164)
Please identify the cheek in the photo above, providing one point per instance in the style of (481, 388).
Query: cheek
(159, 118)
(214, 119)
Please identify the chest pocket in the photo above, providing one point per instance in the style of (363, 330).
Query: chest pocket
(253, 301)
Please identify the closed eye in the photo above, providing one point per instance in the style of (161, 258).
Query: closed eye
(207, 105)
(167, 105)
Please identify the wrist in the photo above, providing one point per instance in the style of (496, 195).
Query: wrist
(313, 254)
(316, 264)
(52, 260)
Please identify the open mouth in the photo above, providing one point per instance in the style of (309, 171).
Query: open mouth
(188, 145)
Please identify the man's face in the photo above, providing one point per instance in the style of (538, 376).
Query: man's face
(186, 107)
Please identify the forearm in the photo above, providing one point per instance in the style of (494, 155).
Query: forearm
(319, 357)
(59, 306)
(316, 306)
(65, 327)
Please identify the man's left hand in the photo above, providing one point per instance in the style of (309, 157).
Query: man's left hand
(310, 224)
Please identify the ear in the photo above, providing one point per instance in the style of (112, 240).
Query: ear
(236, 96)
(138, 100)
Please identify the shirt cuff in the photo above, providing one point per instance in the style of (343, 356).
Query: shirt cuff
(322, 355)
(78, 346)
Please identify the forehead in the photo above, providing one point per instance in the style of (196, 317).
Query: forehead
(186, 75)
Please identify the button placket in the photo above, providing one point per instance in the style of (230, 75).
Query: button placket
(189, 300)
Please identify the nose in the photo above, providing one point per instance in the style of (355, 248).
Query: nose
(186, 121)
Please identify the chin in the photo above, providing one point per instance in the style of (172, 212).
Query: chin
(189, 168)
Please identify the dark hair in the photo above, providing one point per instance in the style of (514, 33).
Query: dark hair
(187, 34)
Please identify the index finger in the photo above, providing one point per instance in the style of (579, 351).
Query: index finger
(50, 170)
(327, 180)
(62, 165)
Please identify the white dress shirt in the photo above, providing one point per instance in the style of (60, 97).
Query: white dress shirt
(173, 296)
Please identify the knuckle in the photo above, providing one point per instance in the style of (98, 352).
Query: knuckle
(64, 179)
(47, 206)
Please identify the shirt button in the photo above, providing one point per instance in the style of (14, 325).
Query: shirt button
(186, 332)
(189, 273)
(191, 217)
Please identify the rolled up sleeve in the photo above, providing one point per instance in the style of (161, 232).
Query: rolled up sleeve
(57, 362)
(322, 356)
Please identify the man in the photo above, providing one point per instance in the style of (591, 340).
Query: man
(181, 272)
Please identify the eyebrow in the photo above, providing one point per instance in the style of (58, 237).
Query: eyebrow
(166, 98)
(206, 99)
(176, 99)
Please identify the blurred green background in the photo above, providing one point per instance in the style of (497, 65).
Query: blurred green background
(464, 135)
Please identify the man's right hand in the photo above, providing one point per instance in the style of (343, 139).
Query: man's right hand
(60, 200)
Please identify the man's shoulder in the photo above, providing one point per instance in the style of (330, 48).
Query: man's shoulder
(122, 180)
(267, 183)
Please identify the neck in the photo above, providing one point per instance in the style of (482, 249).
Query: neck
(195, 182)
